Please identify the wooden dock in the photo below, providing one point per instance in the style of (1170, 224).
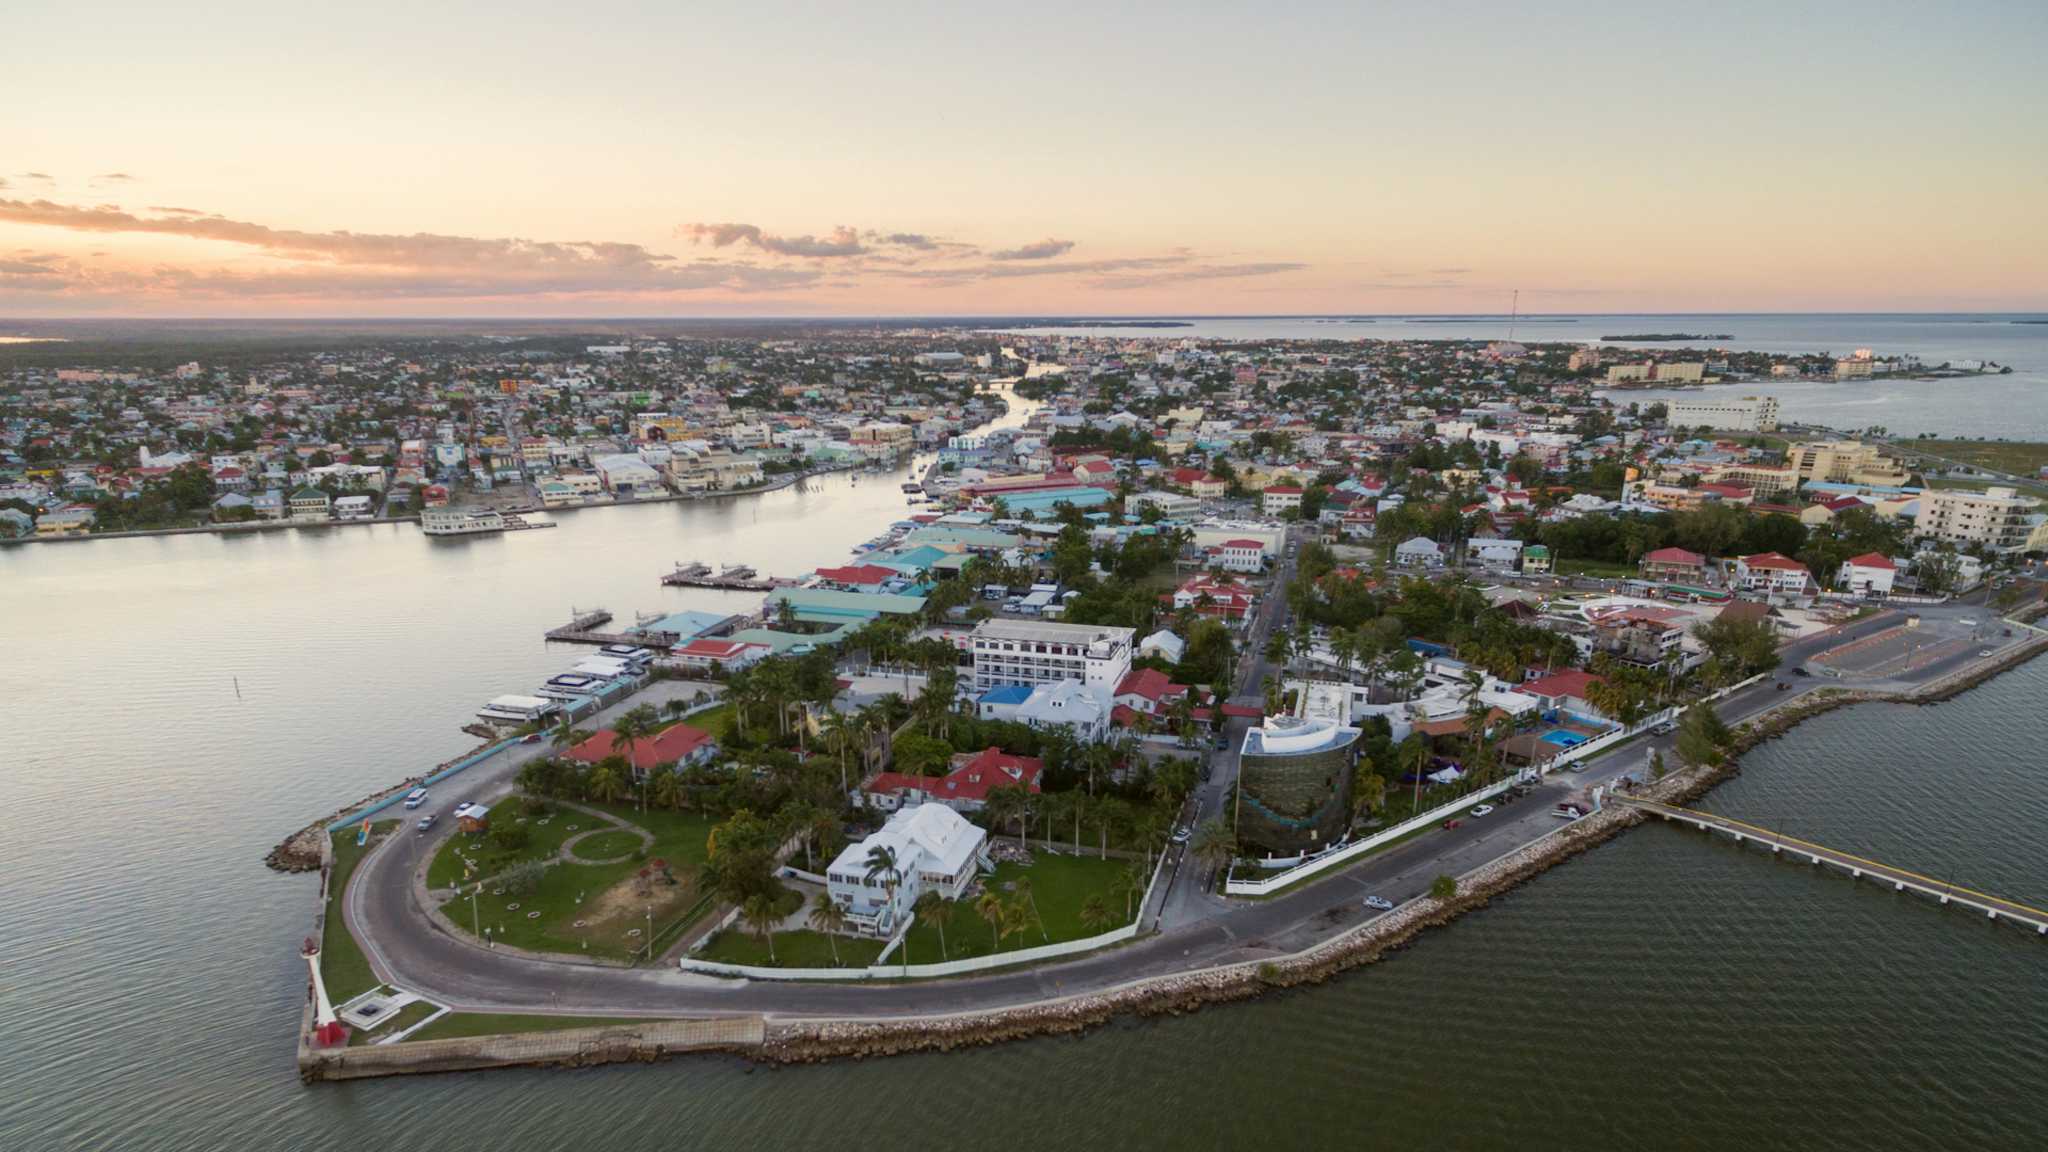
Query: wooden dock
(740, 579)
(584, 628)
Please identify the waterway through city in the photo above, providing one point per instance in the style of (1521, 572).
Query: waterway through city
(175, 705)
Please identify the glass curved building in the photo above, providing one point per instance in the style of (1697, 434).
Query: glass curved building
(1294, 780)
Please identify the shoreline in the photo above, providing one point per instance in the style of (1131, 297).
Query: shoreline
(258, 527)
(799, 1040)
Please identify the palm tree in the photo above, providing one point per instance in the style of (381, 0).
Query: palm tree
(666, 786)
(991, 908)
(841, 731)
(1024, 897)
(936, 910)
(761, 914)
(1096, 916)
(605, 781)
(1213, 843)
(567, 735)
(829, 918)
(881, 864)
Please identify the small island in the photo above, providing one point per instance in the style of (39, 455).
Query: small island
(1670, 337)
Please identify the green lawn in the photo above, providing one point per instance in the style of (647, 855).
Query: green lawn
(2017, 457)
(492, 1024)
(342, 966)
(606, 845)
(1600, 568)
(543, 840)
(407, 1016)
(604, 896)
(1060, 885)
(803, 949)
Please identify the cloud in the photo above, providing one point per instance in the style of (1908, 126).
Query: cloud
(43, 176)
(423, 263)
(176, 211)
(1197, 272)
(115, 176)
(1045, 249)
(916, 240)
(842, 242)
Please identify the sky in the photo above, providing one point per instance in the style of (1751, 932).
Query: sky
(762, 159)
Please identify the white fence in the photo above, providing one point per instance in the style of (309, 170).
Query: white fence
(1235, 887)
(943, 968)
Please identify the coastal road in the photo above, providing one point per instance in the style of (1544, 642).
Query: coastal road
(407, 950)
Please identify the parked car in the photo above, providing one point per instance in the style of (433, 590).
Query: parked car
(1181, 835)
(1452, 823)
(530, 738)
(1665, 729)
(1482, 810)
(1801, 672)
(463, 807)
(427, 821)
(1984, 653)
(1379, 903)
(416, 797)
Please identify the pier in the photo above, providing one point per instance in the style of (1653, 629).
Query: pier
(733, 578)
(584, 628)
(1993, 907)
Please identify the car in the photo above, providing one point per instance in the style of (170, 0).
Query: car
(530, 738)
(1665, 729)
(427, 822)
(1983, 653)
(416, 797)
(1379, 903)
(463, 807)
(1801, 672)
(1482, 810)
(1182, 835)
(1450, 824)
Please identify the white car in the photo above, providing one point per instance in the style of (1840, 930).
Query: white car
(1379, 903)
(416, 797)
(463, 807)
(1482, 810)
(1181, 835)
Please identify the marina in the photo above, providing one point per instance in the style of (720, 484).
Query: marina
(731, 578)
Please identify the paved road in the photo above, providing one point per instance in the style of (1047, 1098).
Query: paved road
(405, 950)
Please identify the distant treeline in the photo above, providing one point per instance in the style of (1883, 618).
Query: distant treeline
(1642, 337)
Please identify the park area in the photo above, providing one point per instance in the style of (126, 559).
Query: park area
(1054, 899)
(574, 881)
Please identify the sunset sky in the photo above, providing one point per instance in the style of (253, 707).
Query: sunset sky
(522, 159)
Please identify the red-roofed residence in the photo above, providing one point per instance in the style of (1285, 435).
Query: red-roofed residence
(676, 744)
(1566, 690)
(964, 789)
(1674, 564)
(856, 577)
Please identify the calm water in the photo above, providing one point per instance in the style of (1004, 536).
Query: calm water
(1662, 991)
(2014, 407)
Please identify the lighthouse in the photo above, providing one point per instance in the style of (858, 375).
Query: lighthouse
(328, 1032)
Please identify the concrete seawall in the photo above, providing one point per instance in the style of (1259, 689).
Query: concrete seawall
(568, 1048)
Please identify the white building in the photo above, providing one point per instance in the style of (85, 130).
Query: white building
(1241, 556)
(1996, 519)
(1749, 414)
(1031, 652)
(1869, 575)
(1772, 574)
(934, 848)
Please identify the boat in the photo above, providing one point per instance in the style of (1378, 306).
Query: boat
(913, 487)
(736, 572)
(460, 521)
